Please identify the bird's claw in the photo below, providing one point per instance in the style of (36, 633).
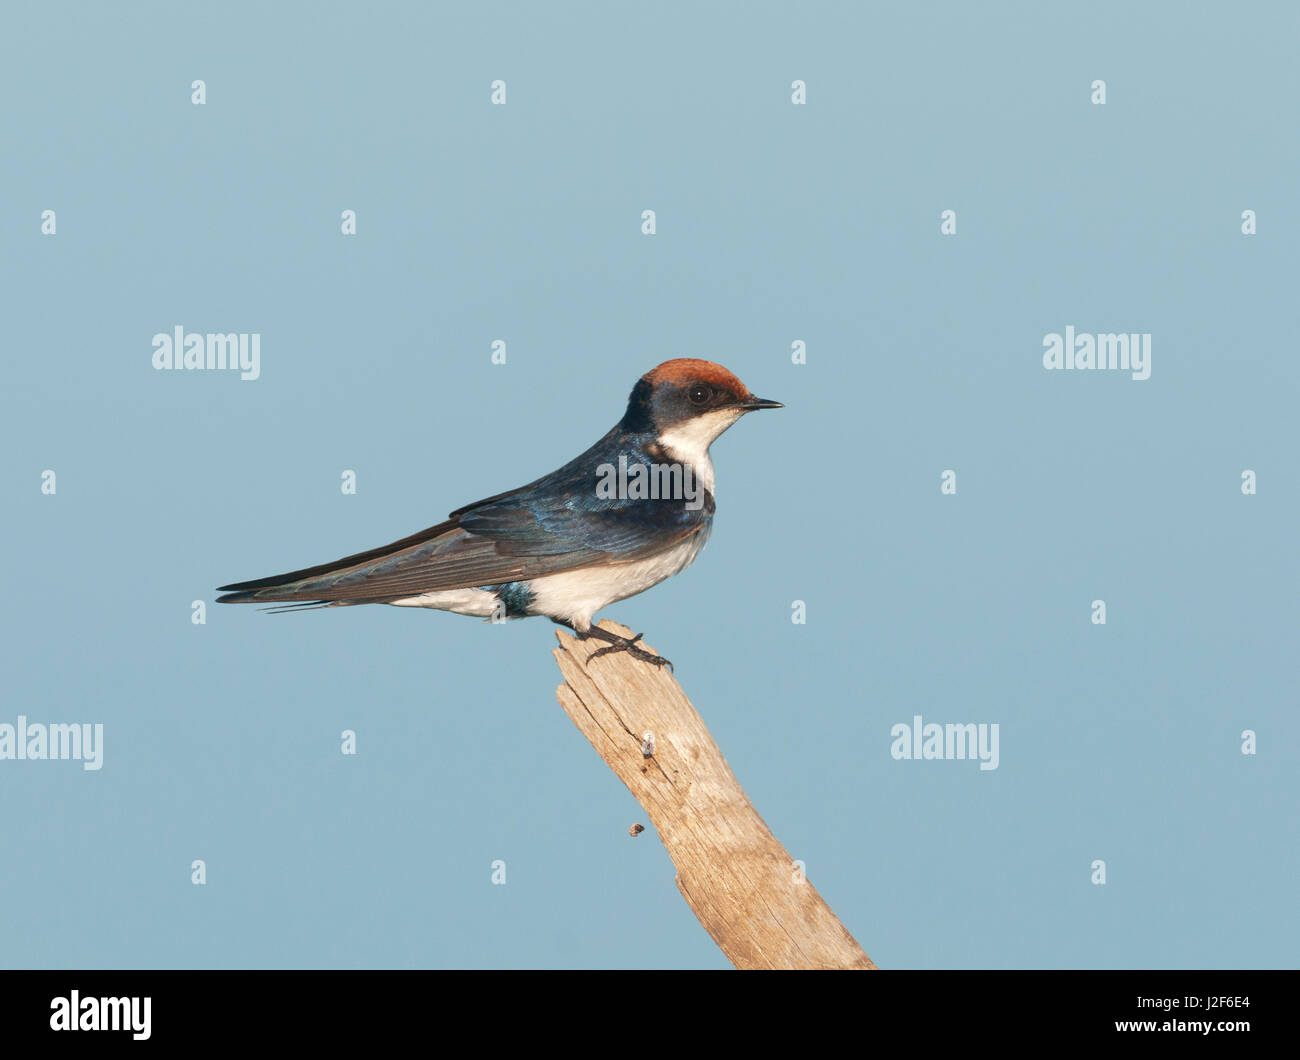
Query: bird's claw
(628, 644)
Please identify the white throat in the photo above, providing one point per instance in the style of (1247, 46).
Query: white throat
(688, 443)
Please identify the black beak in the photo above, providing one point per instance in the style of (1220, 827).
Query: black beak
(757, 403)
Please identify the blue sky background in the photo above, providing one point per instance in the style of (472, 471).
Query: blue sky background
(776, 223)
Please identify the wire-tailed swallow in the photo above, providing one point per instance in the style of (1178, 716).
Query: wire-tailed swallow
(632, 510)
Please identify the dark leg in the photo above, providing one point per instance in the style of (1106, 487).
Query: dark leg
(615, 643)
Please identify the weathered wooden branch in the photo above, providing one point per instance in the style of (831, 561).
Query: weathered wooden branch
(737, 878)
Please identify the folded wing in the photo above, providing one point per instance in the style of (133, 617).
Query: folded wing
(552, 525)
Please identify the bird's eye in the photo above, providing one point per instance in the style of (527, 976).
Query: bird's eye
(699, 394)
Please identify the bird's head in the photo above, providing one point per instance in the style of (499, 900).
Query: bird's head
(687, 403)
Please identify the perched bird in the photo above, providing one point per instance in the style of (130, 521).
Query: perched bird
(632, 510)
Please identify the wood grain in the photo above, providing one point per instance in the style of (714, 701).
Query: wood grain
(741, 883)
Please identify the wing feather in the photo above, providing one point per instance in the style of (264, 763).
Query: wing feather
(555, 524)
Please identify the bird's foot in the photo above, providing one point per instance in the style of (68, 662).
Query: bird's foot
(616, 643)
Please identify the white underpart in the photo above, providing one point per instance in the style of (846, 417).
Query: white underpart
(576, 595)
(572, 596)
(476, 602)
(688, 443)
